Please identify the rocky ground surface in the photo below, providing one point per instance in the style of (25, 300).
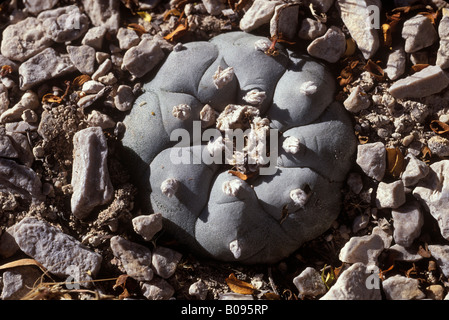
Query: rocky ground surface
(70, 71)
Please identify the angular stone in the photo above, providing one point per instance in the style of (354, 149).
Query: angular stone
(7, 149)
(104, 13)
(285, 21)
(19, 179)
(421, 84)
(83, 57)
(8, 245)
(355, 283)
(404, 254)
(371, 157)
(439, 146)
(135, 258)
(139, 60)
(65, 23)
(24, 39)
(260, 13)
(330, 47)
(157, 289)
(309, 283)
(419, 33)
(17, 282)
(61, 254)
(165, 261)
(42, 67)
(94, 37)
(390, 195)
(357, 101)
(402, 288)
(98, 119)
(414, 171)
(363, 249)
(311, 29)
(433, 192)
(407, 222)
(90, 178)
(127, 38)
(37, 6)
(360, 20)
(441, 255)
(214, 7)
(147, 225)
(396, 63)
(29, 100)
(443, 51)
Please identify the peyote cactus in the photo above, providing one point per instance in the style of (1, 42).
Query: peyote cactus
(231, 83)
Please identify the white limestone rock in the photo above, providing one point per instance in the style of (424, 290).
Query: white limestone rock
(140, 59)
(61, 254)
(309, 283)
(361, 23)
(165, 261)
(329, 47)
(363, 249)
(371, 157)
(147, 225)
(260, 13)
(419, 33)
(407, 222)
(443, 51)
(402, 288)
(90, 178)
(390, 195)
(433, 192)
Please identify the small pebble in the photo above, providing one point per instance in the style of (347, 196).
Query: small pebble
(147, 225)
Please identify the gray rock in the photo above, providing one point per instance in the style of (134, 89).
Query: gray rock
(414, 171)
(309, 283)
(94, 37)
(244, 226)
(419, 33)
(396, 63)
(441, 255)
(407, 221)
(439, 146)
(357, 17)
(21, 144)
(36, 6)
(443, 51)
(24, 39)
(433, 192)
(260, 13)
(102, 70)
(105, 13)
(42, 67)
(147, 225)
(354, 283)
(390, 195)
(61, 254)
(198, 290)
(124, 98)
(165, 261)
(363, 249)
(65, 23)
(127, 38)
(371, 157)
(358, 100)
(402, 288)
(421, 84)
(83, 57)
(29, 100)
(7, 149)
(135, 258)
(90, 178)
(141, 59)
(19, 179)
(285, 21)
(157, 289)
(311, 29)
(19, 281)
(98, 119)
(92, 87)
(330, 47)
(8, 245)
(214, 7)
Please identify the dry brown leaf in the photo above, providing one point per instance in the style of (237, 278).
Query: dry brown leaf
(80, 80)
(179, 31)
(418, 67)
(271, 296)
(21, 263)
(439, 127)
(50, 98)
(174, 12)
(6, 69)
(375, 70)
(238, 174)
(395, 162)
(387, 37)
(137, 28)
(426, 153)
(350, 47)
(239, 286)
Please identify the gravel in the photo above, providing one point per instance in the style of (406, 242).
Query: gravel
(66, 198)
